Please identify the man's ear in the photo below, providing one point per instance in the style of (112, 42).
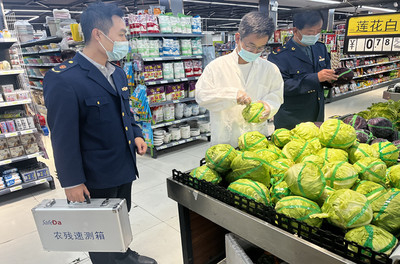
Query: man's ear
(96, 34)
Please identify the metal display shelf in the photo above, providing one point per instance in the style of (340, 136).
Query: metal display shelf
(222, 50)
(182, 141)
(18, 133)
(187, 99)
(375, 64)
(179, 121)
(169, 58)
(41, 42)
(26, 185)
(21, 102)
(41, 64)
(7, 43)
(42, 52)
(36, 88)
(165, 35)
(12, 72)
(172, 81)
(25, 157)
(362, 57)
(37, 77)
(375, 73)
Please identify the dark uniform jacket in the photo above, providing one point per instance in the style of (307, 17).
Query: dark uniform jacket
(92, 127)
(303, 93)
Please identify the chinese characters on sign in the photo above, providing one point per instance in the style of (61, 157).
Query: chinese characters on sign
(79, 235)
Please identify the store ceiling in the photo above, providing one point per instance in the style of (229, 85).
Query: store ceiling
(218, 15)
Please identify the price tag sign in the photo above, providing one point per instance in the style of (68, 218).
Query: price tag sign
(4, 162)
(40, 181)
(163, 82)
(30, 131)
(157, 59)
(16, 188)
(11, 135)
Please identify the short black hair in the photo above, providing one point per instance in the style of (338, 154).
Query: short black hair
(256, 23)
(308, 18)
(98, 15)
(67, 54)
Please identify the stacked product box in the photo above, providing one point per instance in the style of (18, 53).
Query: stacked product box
(17, 124)
(14, 147)
(11, 177)
(14, 176)
(9, 94)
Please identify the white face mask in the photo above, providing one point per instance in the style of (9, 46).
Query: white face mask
(120, 49)
(309, 40)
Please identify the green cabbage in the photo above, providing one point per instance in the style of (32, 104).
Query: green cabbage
(327, 192)
(220, 157)
(348, 209)
(336, 134)
(249, 166)
(281, 137)
(277, 168)
(371, 190)
(305, 179)
(340, 175)
(331, 155)
(251, 189)
(306, 130)
(207, 174)
(301, 209)
(297, 149)
(373, 237)
(317, 160)
(252, 113)
(279, 190)
(315, 142)
(267, 155)
(393, 176)
(371, 169)
(360, 151)
(386, 211)
(274, 148)
(388, 152)
(252, 141)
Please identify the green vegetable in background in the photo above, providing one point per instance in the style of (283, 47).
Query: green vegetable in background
(371, 169)
(252, 113)
(336, 134)
(252, 141)
(388, 152)
(306, 130)
(386, 211)
(297, 149)
(281, 137)
(371, 190)
(360, 151)
(393, 176)
(220, 157)
(207, 174)
(251, 189)
(331, 154)
(340, 175)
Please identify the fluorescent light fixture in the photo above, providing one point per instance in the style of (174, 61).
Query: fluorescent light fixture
(325, 1)
(218, 3)
(40, 11)
(379, 9)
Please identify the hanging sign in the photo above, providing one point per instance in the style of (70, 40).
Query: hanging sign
(373, 34)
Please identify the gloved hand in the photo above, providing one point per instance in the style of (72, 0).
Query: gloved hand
(242, 98)
(264, 115)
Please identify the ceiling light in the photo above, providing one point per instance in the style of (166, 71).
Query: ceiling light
(326, 1)
(379, 9)
(40, 11)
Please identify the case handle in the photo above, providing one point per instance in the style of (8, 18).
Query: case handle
(87, 199)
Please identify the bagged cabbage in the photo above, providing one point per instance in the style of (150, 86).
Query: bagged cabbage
(356, 121)
(364, 136)
(251, 189)
(305, 179)
(371, 169)
(297, 149)
(334, 133)
(327, 192)
(393, 176)
(281, 137)
(207, 174)
(317, 160)
(377, 140)
(373, 237)
(306, 130)
(388, 152)
(371, 190)
(277, 168)
(315, 142)
(252, 113)
(252, 141)
(331, 155)
(348, 209)
(360, 151)
(301, 209)
(381, 127)
(267, 155)
(220, 157)
(274, 148)
(279, 190)
(340, 175)
(386, 211)
(249, 166)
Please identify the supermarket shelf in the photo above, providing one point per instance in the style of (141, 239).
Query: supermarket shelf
(173, 101)
(37, 77)
(182, 141)
(11, 72)
(18, 133)
(7, 43)
(25, 157)
(164, 35)
(21, 102)
(26, 185)
(41, 42)
(375, 73)
(41, 64)
(41, 52)
(172, 81)
(363, 57)
(376, 64)
(179, 121)
(169, 58)
(36, 88)
(222, 50)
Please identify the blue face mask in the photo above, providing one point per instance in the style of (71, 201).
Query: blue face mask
(309, 40)
(247, 55)
(120, 49)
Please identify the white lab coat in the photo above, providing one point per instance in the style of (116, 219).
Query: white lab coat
(217, 90)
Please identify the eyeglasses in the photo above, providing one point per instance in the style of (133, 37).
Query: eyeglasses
(253, 48)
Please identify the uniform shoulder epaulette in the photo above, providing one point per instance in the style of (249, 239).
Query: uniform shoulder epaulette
(64, 66)
(279, 50)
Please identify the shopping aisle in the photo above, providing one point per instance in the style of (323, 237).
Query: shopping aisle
(154, 217)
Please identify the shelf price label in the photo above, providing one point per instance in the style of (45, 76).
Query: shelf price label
(40, 181)
(16, 188)
(11, 135)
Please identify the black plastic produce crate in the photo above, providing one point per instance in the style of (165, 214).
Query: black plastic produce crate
(328, 236)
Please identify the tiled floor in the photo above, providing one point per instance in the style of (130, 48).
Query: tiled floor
(153, 216)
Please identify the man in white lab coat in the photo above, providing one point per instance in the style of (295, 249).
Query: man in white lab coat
(237, 79)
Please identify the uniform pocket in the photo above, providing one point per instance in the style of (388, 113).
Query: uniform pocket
(98, 109)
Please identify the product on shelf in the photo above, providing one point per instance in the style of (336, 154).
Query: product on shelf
(168, 71)
(197, 48)
(174, 92)
(186, 47)
(191, 89)
(31, 148)
(5, 154)
(179, 71)
(197, 67)
(156, 94)
(17, 151)
(7, 88)
(11, 126)
(188, 68)
(5, 66)
(169, 112)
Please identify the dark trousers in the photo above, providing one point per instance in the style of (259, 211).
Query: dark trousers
(124, 192)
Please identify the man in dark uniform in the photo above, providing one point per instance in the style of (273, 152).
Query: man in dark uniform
(93, 132)
(304, 64)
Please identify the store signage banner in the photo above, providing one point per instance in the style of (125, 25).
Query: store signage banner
(373, 34)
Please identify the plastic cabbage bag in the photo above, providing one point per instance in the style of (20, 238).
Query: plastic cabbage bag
(315, 142)
(301, 209)
(356, 121)
(249, 166)
(297, 149)
(340, 175)
(364, 136)
(386, 211)
(393, 176)
(334, 133)
(360, 151)
(388, 152)
(220, 157)
(207, 174)
(317, 160)
(348, 209)
(281, 137)
(267, 155)
(251, 189)
(277, 168)
(371, 169)
(305, 179)
(306, 130)
(279, 190)
(331, 155)
(373, 237)
(326, 193)
(251, 141)
(252, 113)
(381, 127)
(371, 190)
